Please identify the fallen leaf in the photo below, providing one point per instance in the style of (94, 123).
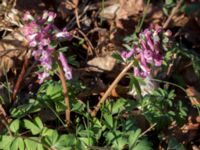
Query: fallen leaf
(110, 11)
(101, 64)
(12, 48)
(193, 95)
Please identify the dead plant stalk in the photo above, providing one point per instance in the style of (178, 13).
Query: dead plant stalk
(112, 86)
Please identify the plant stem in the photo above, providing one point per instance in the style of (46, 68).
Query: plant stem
(173, 12)
(152, 126)
(139, 26)
(112, 86)
(65, 91)
(20, 78)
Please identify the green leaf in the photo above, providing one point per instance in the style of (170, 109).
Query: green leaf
(23, 110)
(30, 144)
(17, 144)
(108, 120)
(31, 126)
(111, 136)
(47, 132)
(143, 145)
(63, 49)
(54, 91)
(169, 2)
(66, 141)
(118, 106)
(128, 47)
(174, 145)
(119, 143)
(40, 147)
(133, 137)
(118, 57)
(134, 84)
(72, 61)
(38, 122)
(129, 124)
(191, 8)
(196, 66)
(5, 142)
(14, 126)
(78, 106)
(86, 141)
(52, 139)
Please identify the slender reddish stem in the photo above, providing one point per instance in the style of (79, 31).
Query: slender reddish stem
(20, 78)
(65, 91)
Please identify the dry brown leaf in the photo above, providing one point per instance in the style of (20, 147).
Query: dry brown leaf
(110, 11)
(122, 10)
(100, 64)
(180, 20)
(75, 2)
(129, 8)
(12, 48)
(193, 95)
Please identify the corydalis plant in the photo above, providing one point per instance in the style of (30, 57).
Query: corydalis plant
(152, 43)
(43, 37)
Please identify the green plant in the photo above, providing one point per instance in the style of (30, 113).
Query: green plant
(160, 107)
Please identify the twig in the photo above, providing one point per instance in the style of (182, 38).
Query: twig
(173, 12)
(83, 9)
(87, 40)
(143, 133)
(20, 78)
(112, 86)
(75, 5)
(169, 70)
(77, 18)
(65, 91)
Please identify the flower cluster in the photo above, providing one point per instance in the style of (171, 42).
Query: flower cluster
(149, 49)
(43, 36)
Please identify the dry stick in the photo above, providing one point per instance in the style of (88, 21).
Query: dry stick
(75, 5)
(173, 12)
(112, 86)
(20, 78)
(87, 40)
(65, 91)
(152, 126)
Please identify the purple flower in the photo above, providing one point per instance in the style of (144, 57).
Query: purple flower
(45, 15)
(42, 76)
(149, 50)
(66, 68)
(40, 33)
(64, 34)
(126, 55)
(168, 33)
(33, 43)
(51, 16)
(28, 16)
(46, 60)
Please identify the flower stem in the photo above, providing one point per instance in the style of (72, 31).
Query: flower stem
(65, 91)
